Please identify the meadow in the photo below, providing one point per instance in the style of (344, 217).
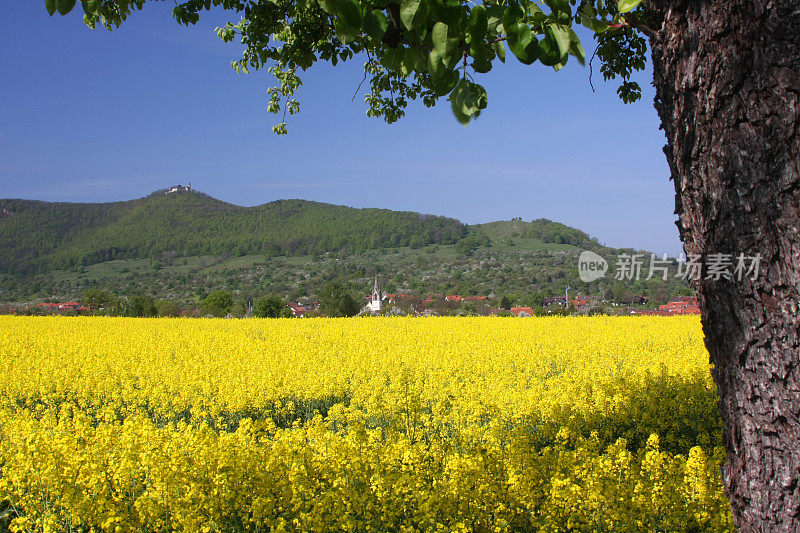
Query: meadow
(362, 424)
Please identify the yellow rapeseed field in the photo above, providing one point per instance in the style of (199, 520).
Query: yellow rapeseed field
(363, 424)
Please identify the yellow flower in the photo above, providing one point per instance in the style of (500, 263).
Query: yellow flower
(400, 424)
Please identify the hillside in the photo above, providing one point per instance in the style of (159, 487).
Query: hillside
(181, 246)
(43, 236)
(512, 262)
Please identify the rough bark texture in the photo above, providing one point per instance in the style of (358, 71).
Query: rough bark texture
(727, 76)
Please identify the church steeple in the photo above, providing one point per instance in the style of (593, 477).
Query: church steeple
(376, 302)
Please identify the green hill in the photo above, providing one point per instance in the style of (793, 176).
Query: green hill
(43, 236)
(539, 234)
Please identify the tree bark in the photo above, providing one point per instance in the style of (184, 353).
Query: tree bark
(727, 78)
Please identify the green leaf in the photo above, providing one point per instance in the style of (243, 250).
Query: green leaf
(453, 60)
(626, 6)
(375, 24)
(344, 31)
(65, 6)
(328, 6)
(520, 44)
(447, 12)
(481, 65)
(562, 12)
(349, 12)
(414, 13)
(392, 58)
(415, 59)
(445, 82)
(512, 18)
(561, 64)
(435, 64)
(589, 19)
(598, 26)
(533, 9)
(441, 67)
(548, 53)
(467, 100)
(457, 99)
(347, 20)
(439, 36)
(500, 50)
(92, 6)
(50, 5)
(576, 48)
(561, 36)
(461, 117)
(455, 14)
(481, 100)
(443, 40)
(495, 17)
(482, 54)
(477, 25)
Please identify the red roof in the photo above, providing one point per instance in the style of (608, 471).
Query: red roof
(298, 310)
(685, 305)
(519, 310)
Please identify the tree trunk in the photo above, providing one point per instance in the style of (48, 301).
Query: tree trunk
(727, 78)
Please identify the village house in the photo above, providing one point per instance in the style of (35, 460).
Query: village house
(299, 310)
(634, 299)
(65, 306)
(554, 300)
(685, 305)
(582, 303)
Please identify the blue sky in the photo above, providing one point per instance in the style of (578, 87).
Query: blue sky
(96, 116)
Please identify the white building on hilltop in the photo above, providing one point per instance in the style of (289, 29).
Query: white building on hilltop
(375, 303)
(179, 188)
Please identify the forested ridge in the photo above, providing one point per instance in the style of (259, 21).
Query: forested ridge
(41, 236)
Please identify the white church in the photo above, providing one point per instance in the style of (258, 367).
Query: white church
(375, 303)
